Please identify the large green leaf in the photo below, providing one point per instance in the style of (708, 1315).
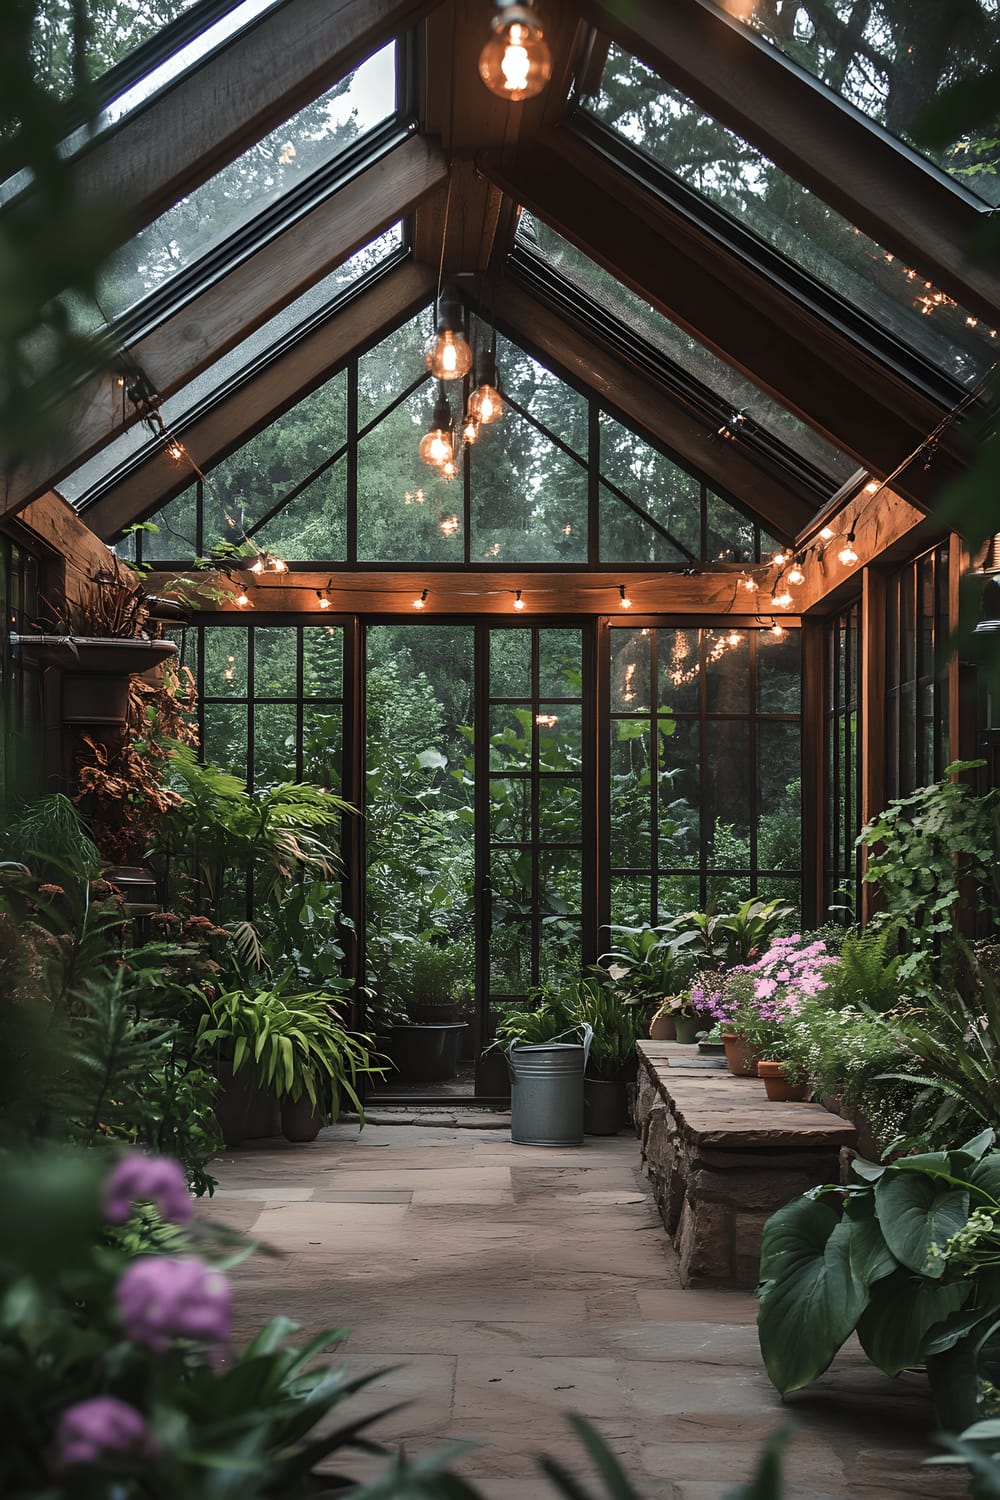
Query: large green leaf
(810, 1298)
(897, 1323)
(916, 1212)
(870, 1256)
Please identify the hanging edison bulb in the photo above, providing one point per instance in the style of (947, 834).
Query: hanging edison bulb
(437, 446)
(486, 403)
(516, 62)
(470, 429)
(449, 353)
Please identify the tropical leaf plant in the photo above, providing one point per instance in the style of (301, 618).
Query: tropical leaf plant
(889, 1257)
(291, 1044)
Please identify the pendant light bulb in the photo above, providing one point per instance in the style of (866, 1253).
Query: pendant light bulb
(626, 601)
(486, 402)
(449, 354)
(421, 602)
(437, 446)
(516, 62)
(795, 575)
(518, 601)
(470, 428)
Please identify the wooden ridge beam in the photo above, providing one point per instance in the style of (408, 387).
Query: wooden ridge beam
(481, 591)
(887, 190)
(811, 368)
(230, 309)
(257, 401)
(217, 111)
(654, 412)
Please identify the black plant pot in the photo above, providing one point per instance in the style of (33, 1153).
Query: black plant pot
(300, 1121)
(605, 1106)
(244, 1111)
(426, 1054)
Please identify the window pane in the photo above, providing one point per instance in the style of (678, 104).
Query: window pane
(224, 742)
(630, 669)
(779, 830)
(274, 737)
(405, 508)
(659, 518)
(728, 792)
(322, 746)
(274, 667)
(559, 663)
(680, 669)
(727, 672)
(679, 793)
(779, 682)
(510, 663)
(322, 661)
(529, 498)
(226, 656)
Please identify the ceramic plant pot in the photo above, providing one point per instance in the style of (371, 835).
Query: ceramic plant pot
(686, 1028)
(777, 1086)
(740, 1058)
(662, 1029)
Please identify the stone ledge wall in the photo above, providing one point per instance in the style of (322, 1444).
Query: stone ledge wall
(714, 1192)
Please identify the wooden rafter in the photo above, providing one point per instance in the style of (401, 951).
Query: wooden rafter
(258, 400)
(230, 309)
(888, 191)
(814, 370)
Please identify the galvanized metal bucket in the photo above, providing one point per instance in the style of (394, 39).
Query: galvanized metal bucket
(546, 1090)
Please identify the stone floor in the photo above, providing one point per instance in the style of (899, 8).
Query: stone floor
(509, 1285)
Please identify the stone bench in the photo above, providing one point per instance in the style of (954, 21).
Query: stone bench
(721, 1158)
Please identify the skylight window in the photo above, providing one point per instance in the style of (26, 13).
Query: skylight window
(735, 177)
(138, 441)
(732, 392)
(889, 59)
(237, 196)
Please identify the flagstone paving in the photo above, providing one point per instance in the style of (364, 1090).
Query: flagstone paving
(509, 1285)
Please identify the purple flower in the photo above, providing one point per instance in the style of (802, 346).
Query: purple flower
(102, 1425)
(161, 1298)
(764, 988)
(138, 1178)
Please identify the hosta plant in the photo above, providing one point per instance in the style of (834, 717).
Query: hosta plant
(908, 1257)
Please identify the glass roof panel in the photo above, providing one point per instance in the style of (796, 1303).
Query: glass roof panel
(235, 197)
(889, 58)
(138, 440)
(115, 31)
(723, 384)
(734, 176)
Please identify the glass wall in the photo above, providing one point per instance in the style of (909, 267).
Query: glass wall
(705, 768)
(842, 784)
(21, 760)
(918, 732)
(558, 481)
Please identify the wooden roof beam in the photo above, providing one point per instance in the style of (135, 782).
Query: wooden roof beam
(217, 111)
(257, 401)
(481, 591)
(654, 412)
(211, 324)
(811, 368)
(881, 186)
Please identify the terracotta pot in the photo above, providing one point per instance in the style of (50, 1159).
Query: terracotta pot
(662, 1029)
(687, 1028)
(740, 1057)
(777, 1086)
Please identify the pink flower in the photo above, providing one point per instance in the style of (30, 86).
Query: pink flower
(162, 1298)
(140, 1178)
(764, 988)
(102, 1425)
